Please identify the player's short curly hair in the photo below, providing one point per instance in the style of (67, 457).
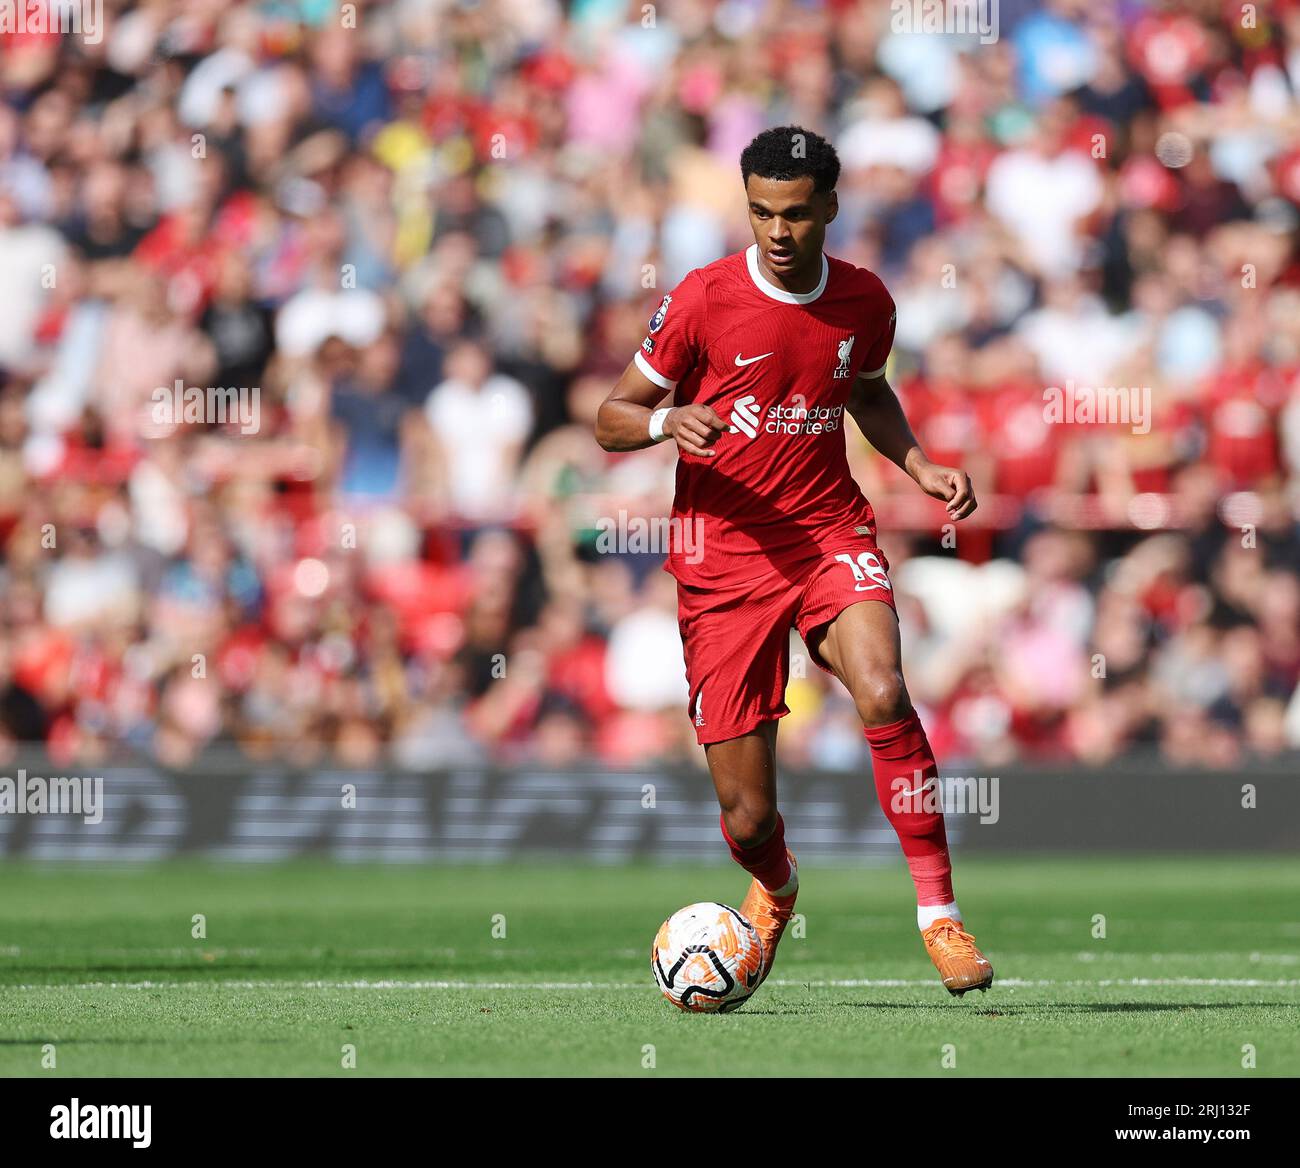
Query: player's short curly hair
(786, 152)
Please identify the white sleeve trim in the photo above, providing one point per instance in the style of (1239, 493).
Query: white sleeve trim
(878, 373)
(651, 372)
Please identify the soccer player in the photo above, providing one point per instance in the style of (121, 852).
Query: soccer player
(764, 353)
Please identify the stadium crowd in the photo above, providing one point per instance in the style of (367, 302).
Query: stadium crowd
(422, 239)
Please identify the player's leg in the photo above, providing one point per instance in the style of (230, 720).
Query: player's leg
(736, 642)
(861, 646)
(744, 776)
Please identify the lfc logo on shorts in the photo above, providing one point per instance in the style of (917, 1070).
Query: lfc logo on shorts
(842, 370)
(699, 713)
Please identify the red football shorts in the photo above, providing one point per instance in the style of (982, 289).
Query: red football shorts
(736, 638)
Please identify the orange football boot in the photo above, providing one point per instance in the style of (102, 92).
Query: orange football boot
(769, 915)
(960, 964)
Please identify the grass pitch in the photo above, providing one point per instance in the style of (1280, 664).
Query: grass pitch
(544, 970)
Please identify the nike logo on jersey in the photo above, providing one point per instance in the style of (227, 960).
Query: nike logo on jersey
(750, 360)
(866, 587)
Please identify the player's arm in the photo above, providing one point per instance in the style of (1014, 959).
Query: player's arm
(874, 406)
(623, 421)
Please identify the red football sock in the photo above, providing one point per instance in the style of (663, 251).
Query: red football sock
(767, 862)
(902, 763)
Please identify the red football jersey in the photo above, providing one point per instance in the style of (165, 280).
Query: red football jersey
(778, 366)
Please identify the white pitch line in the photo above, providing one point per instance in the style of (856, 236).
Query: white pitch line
(846, 983)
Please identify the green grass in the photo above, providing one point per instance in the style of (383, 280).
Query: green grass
(101, 964)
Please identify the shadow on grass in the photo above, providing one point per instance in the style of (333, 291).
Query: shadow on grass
(991, 1011)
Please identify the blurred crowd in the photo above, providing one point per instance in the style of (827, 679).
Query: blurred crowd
(421, 240)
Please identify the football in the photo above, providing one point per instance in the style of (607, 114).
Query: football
(707, 958)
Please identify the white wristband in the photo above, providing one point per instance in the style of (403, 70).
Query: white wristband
(657, 424)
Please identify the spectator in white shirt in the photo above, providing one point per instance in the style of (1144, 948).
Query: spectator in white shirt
(480, 420)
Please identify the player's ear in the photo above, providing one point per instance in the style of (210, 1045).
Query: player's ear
(832, 206)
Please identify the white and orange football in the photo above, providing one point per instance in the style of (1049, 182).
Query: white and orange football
(706, 958)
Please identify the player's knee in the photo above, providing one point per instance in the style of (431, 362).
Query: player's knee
(881, 697)
(750, 823)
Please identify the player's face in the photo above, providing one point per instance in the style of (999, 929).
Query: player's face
(789, 220)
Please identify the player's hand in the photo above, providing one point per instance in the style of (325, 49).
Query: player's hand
(695, 428)
(950, 484)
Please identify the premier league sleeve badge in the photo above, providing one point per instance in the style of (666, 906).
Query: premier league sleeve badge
(657, 321)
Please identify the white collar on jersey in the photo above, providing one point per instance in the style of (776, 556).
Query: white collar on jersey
(769, 289)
